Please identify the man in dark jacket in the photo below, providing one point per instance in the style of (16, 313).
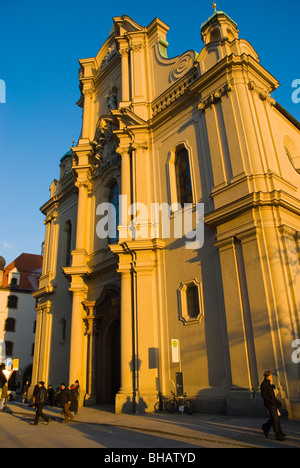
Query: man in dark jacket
(40, 401)
(65, 399)
(272, 405)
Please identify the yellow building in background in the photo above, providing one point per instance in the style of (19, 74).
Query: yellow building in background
(164, 141)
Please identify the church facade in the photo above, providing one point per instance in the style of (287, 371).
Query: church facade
(171, 256)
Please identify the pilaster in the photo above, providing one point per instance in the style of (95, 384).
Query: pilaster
(92, 329)
(78, 341)
(239, 358)
(125, 398)
(124, 50)
(126, 189)
(87, 84)
(137, 265)
(42, 351)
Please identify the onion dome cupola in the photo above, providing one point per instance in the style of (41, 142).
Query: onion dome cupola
(219, 27)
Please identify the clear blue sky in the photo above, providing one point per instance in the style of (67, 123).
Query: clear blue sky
(41, 42)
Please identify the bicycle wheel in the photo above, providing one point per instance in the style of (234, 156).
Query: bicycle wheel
(158, 407)
(188, 407)
(172, 406)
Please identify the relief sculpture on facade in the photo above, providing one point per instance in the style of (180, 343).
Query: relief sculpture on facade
(105, 146)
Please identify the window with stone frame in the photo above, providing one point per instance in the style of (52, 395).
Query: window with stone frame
(190, 301)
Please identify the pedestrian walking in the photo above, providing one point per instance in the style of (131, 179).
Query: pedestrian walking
(4, 396)
(25, 391)
(40, 401)
(65, 400)
(272, 404)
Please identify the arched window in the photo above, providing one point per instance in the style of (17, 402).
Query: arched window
(183, 177)
(113, 198)
(12, 302)
(10, 325)
(68, 232)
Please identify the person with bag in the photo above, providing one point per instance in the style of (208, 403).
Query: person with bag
(272, 404)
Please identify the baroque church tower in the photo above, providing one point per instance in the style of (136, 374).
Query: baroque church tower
(197, 130)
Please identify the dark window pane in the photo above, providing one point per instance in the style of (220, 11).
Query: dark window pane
(9, 348)
(192, 297)
(10, 325)
(12, 302)
(114, 200)
(183, 177)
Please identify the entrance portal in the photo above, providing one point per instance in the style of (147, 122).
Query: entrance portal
(108, 347)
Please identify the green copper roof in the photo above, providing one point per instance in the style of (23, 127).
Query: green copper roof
(69, 153)
(217, 13)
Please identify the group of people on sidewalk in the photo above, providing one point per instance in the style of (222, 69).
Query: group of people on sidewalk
(68, 399)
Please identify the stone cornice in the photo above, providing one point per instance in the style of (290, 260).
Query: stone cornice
(208, 85)
(234, 63)
(57, 199)
(140, 244)
(173, 93)
(253, 200)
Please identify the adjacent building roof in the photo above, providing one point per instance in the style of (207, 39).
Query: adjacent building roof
(30, 268)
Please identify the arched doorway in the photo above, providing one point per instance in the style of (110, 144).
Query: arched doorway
(108, 347)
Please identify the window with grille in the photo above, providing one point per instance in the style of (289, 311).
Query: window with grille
(12, 302)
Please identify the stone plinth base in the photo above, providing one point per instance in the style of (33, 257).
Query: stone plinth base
(127, 403)
(90, 400)
(244, 403)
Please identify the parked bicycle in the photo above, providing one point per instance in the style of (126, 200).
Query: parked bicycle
(161, 404)
(175, 404)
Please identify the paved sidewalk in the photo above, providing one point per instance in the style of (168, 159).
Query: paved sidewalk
(220, 431)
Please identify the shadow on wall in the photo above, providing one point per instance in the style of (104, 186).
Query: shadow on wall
(134, 405)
